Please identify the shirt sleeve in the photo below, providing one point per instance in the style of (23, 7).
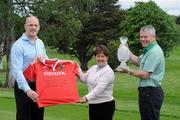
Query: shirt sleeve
(45, 54)
(17, 67)
(82, 76)
(151, 62)
(106, 78)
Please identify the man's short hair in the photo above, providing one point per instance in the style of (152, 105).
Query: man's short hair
(30, 17)
(150, 29)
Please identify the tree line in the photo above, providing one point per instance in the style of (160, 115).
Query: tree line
(76, 27)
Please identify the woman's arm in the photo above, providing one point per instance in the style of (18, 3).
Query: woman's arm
(82, 75)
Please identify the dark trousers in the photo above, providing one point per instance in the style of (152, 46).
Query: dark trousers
(150, 102)
(102, 111)
(26, 109)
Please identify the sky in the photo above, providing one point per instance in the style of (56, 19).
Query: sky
(171, 7)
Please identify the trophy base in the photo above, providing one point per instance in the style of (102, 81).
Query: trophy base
(122, 68)
(123, 65)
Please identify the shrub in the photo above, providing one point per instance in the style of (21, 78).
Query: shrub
(113, 60)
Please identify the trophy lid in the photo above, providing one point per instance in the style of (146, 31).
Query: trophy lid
(123, 39)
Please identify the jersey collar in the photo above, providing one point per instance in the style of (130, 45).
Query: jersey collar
(149, 47)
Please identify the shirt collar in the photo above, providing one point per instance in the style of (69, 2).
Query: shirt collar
(24, 37)
(101, 65)
(149, 47)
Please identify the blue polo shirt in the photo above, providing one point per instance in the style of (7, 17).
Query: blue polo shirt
(23, 52)
(152, 61)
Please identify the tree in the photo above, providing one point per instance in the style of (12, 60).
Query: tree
(178, 20)
(102, 27)
(63, 22)
(59, 24)
(113, 60)
(76, 27)
(6, 24)
(144, 14)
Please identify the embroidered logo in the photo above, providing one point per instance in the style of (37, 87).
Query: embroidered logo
(61, 67)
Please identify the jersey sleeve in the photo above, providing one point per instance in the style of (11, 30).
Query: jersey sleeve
(75, 69)
(29, 73)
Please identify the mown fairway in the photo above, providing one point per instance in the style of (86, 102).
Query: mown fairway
(125, 93)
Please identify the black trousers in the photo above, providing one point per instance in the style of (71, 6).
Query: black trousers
(150, 102)
(26, 109)
(102, 111)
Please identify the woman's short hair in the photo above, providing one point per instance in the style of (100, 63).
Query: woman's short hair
(102, 49)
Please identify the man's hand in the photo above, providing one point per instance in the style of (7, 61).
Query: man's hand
(33, 95)
(40, 58)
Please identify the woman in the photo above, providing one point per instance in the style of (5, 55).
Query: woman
(100, 79)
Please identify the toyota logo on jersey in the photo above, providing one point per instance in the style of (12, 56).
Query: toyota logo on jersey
(54, 73)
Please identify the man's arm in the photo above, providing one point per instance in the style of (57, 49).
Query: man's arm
(134, 59)
(17, 72)
(139, 73)
(17, 67)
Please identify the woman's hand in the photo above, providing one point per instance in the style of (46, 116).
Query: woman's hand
(122, 69)
(83, 99)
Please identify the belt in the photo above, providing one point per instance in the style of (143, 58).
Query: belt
(148, 88)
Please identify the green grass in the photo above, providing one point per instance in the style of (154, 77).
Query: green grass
(125, 93)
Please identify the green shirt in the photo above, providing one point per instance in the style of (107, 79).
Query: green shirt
(152, 61)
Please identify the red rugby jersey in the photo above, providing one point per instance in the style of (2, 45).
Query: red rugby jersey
(55, 81)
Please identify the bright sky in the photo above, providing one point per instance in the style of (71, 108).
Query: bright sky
(172, 7)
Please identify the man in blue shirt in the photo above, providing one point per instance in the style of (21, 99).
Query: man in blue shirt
(24, 51)
(151, 73)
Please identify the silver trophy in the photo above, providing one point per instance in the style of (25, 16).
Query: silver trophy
(123, 52)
